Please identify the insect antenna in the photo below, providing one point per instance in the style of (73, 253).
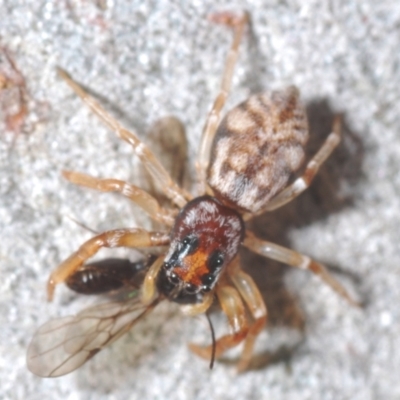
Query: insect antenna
(212, 339)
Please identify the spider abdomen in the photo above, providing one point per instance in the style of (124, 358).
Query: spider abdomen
(257, 147)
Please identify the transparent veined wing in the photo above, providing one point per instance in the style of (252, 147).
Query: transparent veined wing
(62, 345)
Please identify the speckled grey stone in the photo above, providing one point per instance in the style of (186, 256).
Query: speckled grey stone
(147, 59)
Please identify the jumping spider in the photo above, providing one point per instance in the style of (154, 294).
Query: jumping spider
(244, 165)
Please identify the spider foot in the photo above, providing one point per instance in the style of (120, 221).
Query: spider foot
(229, 18)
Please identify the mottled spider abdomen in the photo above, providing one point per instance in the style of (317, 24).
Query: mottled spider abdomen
(257, 147)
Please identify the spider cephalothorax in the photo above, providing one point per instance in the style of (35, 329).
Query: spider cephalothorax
(244, 168)
(205, 238)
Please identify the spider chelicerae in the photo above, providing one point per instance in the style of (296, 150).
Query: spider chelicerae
(244, 167)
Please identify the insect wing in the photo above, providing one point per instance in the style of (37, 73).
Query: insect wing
(62, 345)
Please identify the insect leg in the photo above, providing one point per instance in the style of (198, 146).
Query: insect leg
(149, 160)
(238, 23)
(233, 307)
(147, 202)
(115, 238)
(304, 181)
(295, 259)
(255, 303)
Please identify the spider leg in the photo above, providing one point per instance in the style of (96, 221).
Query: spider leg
(295, 259)
(149, 160)
(144, 200)
(255, 303)
(238, 23)
(304, 181)
(232, 306)
(116, 238)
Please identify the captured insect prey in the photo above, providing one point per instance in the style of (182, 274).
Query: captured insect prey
(109, 276)
(245, 166)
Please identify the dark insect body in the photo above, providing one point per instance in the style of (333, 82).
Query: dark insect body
(244, 168)
(111, 274)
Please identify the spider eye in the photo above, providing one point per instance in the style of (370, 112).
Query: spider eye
(167, 265)
(173, 278)
(190, 288)
(215, 260)
(190, 244)
(207, 281)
